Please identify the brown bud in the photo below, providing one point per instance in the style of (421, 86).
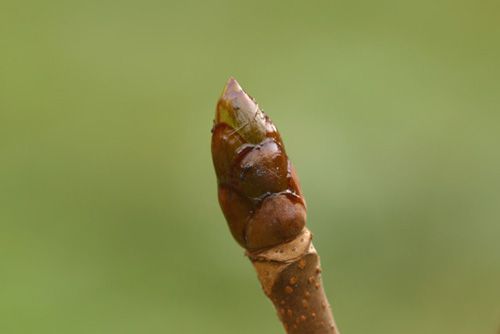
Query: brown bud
(259, 191)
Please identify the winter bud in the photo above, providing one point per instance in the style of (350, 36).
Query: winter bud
(258, 188)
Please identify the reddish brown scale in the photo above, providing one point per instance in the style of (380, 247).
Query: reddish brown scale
(271, 131)
(224, 150)
(293, 182)
(259, 191)
(236, 210)
(278, 219)
(260, 170)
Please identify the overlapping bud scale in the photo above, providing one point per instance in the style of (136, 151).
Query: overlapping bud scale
(258, 188)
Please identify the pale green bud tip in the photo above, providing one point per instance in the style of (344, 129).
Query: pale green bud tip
(240, 111)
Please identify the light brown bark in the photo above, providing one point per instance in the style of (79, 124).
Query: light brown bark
(290, 275)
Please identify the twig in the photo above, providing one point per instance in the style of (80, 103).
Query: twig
(260, 196)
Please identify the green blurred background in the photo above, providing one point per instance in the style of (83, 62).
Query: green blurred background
(109, 221)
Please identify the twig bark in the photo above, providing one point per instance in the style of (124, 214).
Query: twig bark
(290, 275)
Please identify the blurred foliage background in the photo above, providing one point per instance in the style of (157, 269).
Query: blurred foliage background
(109, 221)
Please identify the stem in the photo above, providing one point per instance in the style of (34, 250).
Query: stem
(290, 275)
